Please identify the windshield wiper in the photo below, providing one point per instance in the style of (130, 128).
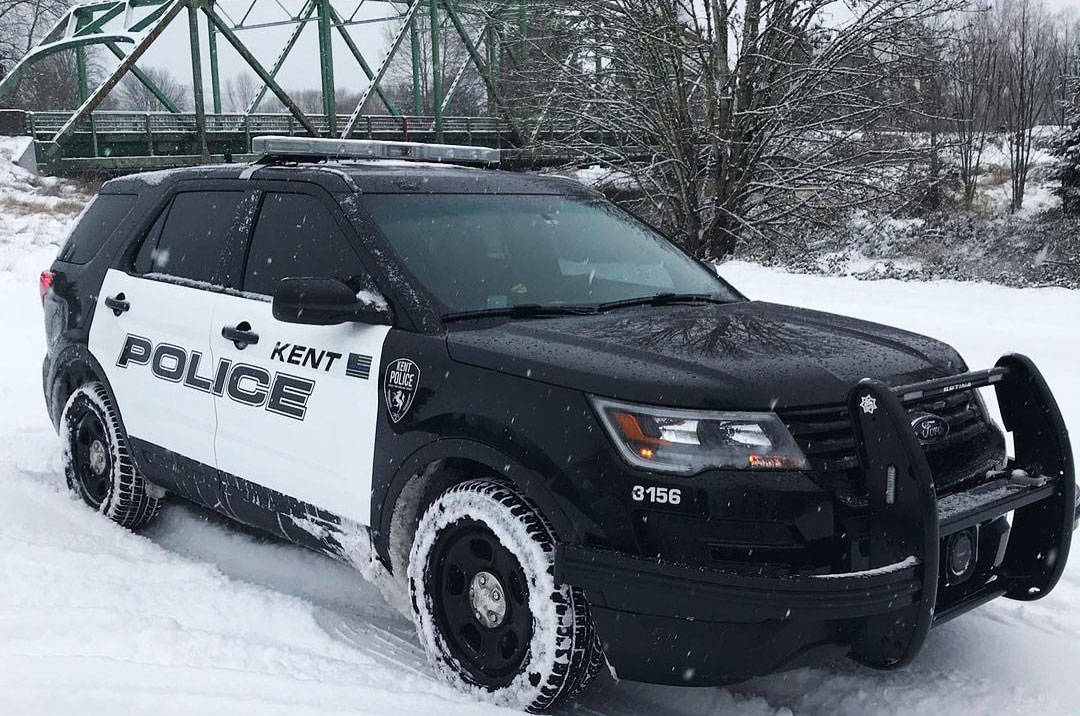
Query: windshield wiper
(536, 310)
(521, 310)
(663, 299)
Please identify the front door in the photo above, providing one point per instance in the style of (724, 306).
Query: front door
(299, 410)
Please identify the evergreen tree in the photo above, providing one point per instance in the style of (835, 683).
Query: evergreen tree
(1067, 166)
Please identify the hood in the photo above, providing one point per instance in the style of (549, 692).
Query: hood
(746, 355)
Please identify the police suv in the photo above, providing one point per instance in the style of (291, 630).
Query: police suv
(570, 442)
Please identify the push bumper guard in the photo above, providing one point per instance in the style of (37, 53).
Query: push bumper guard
(884, 613)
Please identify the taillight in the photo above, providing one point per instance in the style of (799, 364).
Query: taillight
(45, 282)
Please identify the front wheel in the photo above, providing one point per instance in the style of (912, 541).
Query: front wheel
(487, 609)
(97, 459)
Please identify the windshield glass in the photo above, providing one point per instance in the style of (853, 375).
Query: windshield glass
(484, 252)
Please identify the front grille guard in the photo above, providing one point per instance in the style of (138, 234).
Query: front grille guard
(909, 521)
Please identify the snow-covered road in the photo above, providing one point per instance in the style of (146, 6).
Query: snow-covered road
(199, 616)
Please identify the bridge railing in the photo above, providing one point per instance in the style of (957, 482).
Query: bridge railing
(42, 125)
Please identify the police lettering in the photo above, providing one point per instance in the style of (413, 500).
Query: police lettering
(303, 356)
(401, 378)
(252, 385)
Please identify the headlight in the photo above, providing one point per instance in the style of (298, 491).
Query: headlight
(689, 441)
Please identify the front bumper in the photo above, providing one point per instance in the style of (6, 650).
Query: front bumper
(669, 623)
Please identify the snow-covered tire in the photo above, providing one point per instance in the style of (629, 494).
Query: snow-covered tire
(480, 528)
(97, 459)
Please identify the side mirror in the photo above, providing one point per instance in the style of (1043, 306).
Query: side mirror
(327, 302)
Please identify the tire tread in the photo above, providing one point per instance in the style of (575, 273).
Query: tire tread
(577, 641)
(127, 502)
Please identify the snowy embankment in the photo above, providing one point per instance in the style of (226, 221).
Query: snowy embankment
(199, 616)
(34, 211)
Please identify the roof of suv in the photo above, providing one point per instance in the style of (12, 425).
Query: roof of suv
(371, 176)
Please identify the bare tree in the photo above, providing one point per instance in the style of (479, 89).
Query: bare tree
(1028, 49)
(1066, 66)
(240, 90)
(53, 82)
(749, 118)
(132, 94)
(458, 78)
(21, 23)
(972, 79)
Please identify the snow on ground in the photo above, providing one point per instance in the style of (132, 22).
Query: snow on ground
(34, 211)
(200, 616)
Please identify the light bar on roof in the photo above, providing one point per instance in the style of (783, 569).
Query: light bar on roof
(370, 149)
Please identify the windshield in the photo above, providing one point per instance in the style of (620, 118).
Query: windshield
(484, 252)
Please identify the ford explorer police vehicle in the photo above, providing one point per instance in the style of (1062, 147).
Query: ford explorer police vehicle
(571, 443)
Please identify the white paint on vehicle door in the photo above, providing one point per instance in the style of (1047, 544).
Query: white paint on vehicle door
(302, 420)
(154, 401)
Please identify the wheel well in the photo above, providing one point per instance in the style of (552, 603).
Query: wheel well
(68, 379)
(423, 488)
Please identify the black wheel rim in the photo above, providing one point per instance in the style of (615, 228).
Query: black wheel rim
(492, 655)
(91, 457)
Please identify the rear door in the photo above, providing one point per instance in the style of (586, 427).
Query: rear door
(299, 410)
(152, 324)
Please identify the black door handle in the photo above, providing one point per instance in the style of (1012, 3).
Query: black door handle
(241, 335)
(117, 303)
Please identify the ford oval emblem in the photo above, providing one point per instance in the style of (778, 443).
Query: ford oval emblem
(930, 428)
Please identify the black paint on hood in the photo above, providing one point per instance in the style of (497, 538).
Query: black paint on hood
(746, 355)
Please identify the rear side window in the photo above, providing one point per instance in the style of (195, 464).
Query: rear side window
(188, 239)
(296, 236)
(96, 224)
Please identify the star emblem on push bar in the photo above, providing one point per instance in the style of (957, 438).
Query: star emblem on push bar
(868, 403)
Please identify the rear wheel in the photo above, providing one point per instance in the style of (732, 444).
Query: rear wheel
(97, 460)
(488, 611)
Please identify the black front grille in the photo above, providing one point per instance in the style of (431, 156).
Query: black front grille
(972, 446)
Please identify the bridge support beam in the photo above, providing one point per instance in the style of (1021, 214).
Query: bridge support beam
(417, 92)
(523, 30)
(84, 92)
(215, 73)
(492, 60)
(436, 69)
(197, 79)
(326, 67)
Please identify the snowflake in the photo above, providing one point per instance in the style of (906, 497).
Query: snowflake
(868, 403)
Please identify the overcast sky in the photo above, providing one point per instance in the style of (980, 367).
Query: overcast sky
(301, 70)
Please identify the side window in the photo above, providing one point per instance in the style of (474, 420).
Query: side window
(188, 238)
(96, 224)
(296, 236)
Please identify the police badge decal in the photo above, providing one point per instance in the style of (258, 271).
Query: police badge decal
(399, 389)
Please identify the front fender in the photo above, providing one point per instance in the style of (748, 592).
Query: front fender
(531, 483)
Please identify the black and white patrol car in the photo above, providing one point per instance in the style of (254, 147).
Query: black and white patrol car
(569, 441)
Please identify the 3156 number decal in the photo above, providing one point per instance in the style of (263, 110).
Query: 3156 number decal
(656, 495)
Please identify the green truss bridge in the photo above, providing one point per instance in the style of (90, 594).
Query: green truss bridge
(112, 142)
(91, 139)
